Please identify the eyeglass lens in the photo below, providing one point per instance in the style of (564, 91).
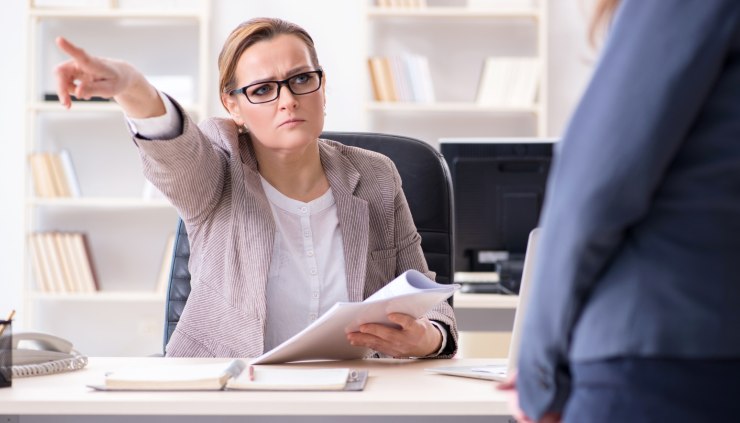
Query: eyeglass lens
(300, 84)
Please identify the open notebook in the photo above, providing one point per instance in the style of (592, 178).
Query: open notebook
(231, 375)
(499, 372)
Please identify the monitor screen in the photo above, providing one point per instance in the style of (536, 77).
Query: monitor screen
(499, 188)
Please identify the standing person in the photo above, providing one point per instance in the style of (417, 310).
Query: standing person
(282, 224)
(635, 306)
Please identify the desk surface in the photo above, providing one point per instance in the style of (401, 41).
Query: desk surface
(394, 387)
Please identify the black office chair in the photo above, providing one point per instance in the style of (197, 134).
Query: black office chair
(428, 188)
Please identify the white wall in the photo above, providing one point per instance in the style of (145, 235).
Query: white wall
(339, 29)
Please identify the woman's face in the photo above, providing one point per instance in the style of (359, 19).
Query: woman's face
(290, 123)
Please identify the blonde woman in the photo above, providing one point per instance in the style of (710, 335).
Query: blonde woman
(282, 224)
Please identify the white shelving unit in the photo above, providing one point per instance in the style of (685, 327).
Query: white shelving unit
(456, 39)
(126, 232)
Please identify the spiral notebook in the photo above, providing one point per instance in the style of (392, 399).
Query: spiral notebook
(231, 375)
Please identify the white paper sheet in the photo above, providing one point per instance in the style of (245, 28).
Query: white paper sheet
(410, 293)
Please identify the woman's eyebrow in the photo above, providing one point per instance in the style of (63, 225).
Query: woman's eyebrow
(292, 72)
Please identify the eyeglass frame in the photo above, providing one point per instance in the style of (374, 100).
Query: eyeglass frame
(243, 90)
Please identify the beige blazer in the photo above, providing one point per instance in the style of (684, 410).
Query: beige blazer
(210, 175)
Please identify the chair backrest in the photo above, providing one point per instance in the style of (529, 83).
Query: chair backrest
(428, 189)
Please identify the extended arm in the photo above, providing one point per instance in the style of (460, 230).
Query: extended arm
(188, 168)
(85, 76)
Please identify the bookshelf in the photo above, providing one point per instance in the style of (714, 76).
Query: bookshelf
(456, 37)
(127, 232)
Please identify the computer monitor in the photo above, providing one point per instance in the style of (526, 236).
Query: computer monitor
(499, 188)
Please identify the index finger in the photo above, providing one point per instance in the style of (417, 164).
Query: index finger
(72, 50)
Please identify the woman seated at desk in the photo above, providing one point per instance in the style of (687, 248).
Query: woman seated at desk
(282, 224)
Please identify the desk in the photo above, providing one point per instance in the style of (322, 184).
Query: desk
(398, 388)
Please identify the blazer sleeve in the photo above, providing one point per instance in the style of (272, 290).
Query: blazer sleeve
(659, 64)
(189, 169)
(411, 256)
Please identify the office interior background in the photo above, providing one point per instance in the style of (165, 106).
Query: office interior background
(346, 33)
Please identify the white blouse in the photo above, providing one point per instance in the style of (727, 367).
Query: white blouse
(307, 273)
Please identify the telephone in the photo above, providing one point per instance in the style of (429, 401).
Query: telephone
(40, 353)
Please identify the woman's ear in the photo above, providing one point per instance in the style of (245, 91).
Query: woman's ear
(233, 107)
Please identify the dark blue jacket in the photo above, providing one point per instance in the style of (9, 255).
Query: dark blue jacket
(640, 247)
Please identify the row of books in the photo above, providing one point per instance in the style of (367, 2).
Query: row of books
(504, 81)
(509, 82)
(405, 78)
(62, 262)
(54, 175)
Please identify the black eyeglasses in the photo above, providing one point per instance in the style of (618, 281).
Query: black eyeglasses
(267, 91)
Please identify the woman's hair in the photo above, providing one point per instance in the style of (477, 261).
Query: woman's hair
(602, 17)
(249, 33)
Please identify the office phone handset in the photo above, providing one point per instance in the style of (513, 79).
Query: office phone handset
(41, 354)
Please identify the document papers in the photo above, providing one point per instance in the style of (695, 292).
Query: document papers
(410, 293)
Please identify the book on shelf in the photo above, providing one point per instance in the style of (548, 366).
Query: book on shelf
(53, 175)
(509, 82)
(70, 174)
(59, 179)
(382, 79)
(85, 255)
(62, 263)
(43, 183)
(51, 256)
(231, 375)
(405, 78)
(410, 293)
(75, 266)
(71, 282)
(41, 271)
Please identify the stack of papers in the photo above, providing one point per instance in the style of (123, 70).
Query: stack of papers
(410, 293)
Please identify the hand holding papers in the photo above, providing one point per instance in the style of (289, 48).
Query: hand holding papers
(411, 293)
